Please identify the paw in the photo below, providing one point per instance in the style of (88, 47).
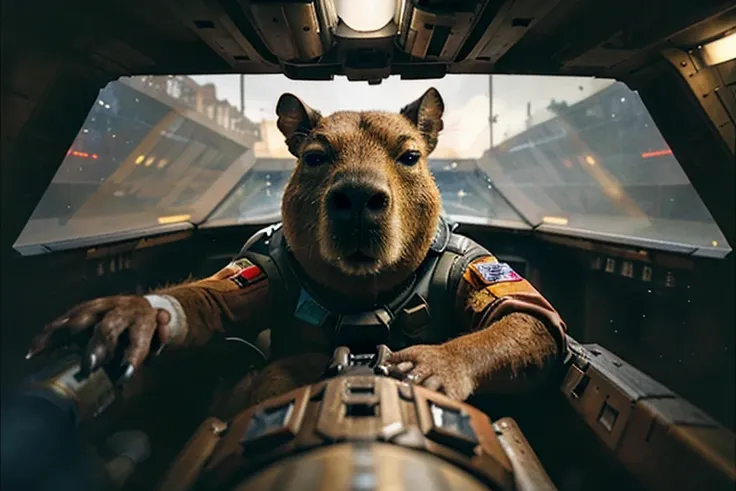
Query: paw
(435, 368)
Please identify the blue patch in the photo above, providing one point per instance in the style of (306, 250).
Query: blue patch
(492, 273)
(309, 311)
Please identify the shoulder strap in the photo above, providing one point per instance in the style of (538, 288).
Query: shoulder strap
(441, 236)
(265, 250)
(257, 249)
(467, 251)
(457, 256)
(422, 280)
(259, 241)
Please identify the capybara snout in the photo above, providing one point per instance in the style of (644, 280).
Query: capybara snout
(358, 213)
(356, 200)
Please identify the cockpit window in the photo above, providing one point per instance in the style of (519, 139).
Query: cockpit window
(154, 153)
(574, 156)
(467, 193)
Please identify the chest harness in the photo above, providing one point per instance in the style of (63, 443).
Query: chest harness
(419, 311)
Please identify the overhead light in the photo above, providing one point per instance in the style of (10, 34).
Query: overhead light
(555, 220)
(590, 160)
(719, 51)
(363, 16)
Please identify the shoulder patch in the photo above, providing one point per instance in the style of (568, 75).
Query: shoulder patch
(496, 278)
(232, 269)
(249, 273)
(242, 272)
(492, 273)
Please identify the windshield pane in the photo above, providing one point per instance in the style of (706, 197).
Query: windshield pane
(153, 151)
(578, 156)
(467, 193)
(597, 163)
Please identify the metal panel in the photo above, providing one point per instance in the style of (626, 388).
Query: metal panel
(435, 35)
(664, 441)
(295, 31)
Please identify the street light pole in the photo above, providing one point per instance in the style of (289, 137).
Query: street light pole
(490, 107)
(242, 94)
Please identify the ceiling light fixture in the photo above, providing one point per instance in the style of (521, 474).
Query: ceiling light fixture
(363, 16)
(718, 51)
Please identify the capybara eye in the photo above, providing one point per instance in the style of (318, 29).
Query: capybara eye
(313, 159)
(409, 158)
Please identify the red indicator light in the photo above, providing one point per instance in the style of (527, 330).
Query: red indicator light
(656, 153)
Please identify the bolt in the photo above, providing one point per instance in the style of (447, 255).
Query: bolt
(218, 427)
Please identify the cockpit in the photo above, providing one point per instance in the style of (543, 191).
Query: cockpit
(590, 149)
(559, 156)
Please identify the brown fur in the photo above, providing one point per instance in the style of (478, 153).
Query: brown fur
(362, 145)
(369, 144)
(506, 356)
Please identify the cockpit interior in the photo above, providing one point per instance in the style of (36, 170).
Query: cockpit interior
(589, 145)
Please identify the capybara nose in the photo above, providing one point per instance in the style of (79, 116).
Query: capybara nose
(355, 200)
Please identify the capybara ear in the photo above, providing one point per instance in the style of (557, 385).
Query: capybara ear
(296, 120)
(426, 114)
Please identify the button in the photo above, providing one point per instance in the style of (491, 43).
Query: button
(452, 427)
(607, 417)
(415, 317)
(266, 422)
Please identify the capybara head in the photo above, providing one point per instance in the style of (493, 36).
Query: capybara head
(361, 206)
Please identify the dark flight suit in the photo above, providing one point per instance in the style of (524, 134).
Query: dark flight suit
(460, 287)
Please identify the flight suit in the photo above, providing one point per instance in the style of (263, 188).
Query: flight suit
(460, 287)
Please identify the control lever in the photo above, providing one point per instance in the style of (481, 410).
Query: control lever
(40, 428)
(345, 362)
(85, 395)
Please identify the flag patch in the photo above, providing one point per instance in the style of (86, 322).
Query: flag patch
(247, 275)
(492, 273)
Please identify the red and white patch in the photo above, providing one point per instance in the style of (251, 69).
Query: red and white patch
(247, 275)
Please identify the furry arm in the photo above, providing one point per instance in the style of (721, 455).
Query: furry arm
(234, 295)
(516, 336)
